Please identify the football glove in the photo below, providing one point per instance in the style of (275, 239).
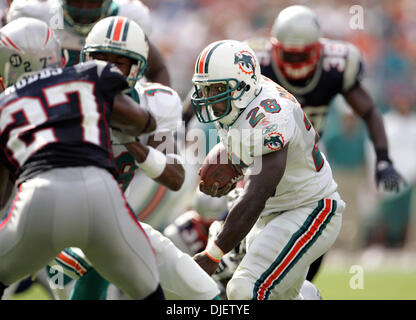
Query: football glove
(387, 178)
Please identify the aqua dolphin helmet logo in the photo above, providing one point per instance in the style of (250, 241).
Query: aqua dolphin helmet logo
(246, 62)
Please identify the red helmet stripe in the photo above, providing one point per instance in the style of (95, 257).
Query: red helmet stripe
(205, 56)
(202, 61)
(117, 31)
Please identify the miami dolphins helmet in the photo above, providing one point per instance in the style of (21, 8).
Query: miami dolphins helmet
(234, 64)
(27, 45)
(121, 36)
(295, 39)
(82, 14)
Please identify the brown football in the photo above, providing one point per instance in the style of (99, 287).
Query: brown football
(217, 168)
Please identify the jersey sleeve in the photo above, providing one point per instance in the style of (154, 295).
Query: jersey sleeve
(110, 80)
(165, 104)
(354, 69)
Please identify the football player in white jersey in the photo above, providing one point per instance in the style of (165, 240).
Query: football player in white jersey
(145, 165)
(290, 211)
(73, 19)
(315, 70)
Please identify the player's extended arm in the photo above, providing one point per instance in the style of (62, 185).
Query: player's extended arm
(157, 70)
(361, 102)
(6, 185)
(173, 174)
(245, 212)
(130, 117)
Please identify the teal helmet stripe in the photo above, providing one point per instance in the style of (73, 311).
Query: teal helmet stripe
(126, 30)
(204, 58)
(209, 56)
(197, 63)
(110, 29)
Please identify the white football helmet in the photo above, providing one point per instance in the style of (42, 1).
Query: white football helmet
(27, 45)
(81, 15)
(234, 64)
(121, 36)
(295, 38)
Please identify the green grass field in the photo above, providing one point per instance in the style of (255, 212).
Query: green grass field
(381, 284)
(334, 284)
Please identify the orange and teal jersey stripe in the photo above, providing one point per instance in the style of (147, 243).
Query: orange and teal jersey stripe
(298, 244)
(202, 62)
(118, 29)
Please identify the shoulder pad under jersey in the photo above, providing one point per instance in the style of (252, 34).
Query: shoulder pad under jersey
(164, 103)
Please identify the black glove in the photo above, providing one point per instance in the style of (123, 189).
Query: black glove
(388, 177)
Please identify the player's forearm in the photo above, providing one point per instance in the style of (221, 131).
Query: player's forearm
(173, 174)
(363, 105)
(376, 130)
(258, 188)
(239, 222)
(129, 116)
(6, 186)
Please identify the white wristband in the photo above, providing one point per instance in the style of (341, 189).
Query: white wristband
(154, 164)
(214, 252)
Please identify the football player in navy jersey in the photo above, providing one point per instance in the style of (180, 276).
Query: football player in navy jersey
(55, 142)
(315, 70)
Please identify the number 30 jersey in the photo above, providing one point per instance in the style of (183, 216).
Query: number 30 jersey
(272, 121)
(59, 118)
(339, 70)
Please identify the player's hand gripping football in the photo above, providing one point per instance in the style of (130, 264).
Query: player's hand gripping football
(215, 190)
(387, 178)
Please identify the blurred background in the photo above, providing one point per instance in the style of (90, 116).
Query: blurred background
(378, 237)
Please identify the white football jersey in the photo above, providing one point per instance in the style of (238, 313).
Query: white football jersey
(50, 11)
(150, 201)
(273, 120)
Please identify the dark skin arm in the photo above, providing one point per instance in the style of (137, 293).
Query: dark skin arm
(130, 117)
(157, 70)
(173, 175)
(6, 185)
(363, 105)
(243, 215)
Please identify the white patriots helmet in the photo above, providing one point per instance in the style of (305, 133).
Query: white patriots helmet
(27, 45)
(121, 36)
(295, 39)
(138, 12)
(234, 64)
